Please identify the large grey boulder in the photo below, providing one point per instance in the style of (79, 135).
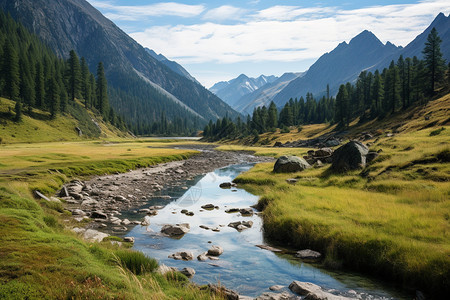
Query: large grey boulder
(289, 164)
(350, 156)
(175, 230)
(183, 255)
(189, 272)
(311, 291)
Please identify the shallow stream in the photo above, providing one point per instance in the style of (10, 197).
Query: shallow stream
(242, 267)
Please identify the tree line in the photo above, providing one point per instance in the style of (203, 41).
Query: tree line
(33, 77)
(404, 83)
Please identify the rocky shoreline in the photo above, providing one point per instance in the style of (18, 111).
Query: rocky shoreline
(101, 199)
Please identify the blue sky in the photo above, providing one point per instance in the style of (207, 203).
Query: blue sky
(218, 40)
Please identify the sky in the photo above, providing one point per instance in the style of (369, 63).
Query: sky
(219, 40)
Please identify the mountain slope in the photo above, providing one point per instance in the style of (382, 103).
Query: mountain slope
(265, 94)
(342, 64)
(231, 91)
(75, 24)
(174, 66)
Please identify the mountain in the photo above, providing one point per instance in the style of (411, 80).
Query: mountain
(342, 64)
(174, 66)
(414, 48)
(142, 89)
(231, 91)
(265, 94)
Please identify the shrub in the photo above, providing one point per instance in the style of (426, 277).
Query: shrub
(137, 262)
(437, 131)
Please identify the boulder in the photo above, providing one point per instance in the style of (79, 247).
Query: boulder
(332, 143)
(188, 272)
(98, 214)
(175, 230)
(308, 254)
(312, 291)
(246, 211)
(276, 296)
(276, 287)
(350, 156)
(241, 225)
(226, 185)
(163, 269)
(232, 210)
(78, 212)
(208, 206)
(215, 250)
(288, 164)
(128, 239)
(94, 235)
(221, 290)
(183, 255)
(202, 257)
(323, 152)
(371, 156)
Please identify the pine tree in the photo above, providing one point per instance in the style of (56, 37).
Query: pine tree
(11, 72)
(74, 75)
(39, 85)
(53, 97)
(85, 93)
(435, 64)
(342, 106)
(273, 116)
(18, 111)
(102, 94)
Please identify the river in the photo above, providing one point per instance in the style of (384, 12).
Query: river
(242, 267)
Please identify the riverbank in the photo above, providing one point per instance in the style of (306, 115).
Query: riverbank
(103, 198)
(40, 258)
(388, 220)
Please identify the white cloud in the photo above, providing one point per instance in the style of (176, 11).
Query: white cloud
(135, 13)
(224, 12)
(286, 33)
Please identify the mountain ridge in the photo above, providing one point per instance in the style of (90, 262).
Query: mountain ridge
(70, 24)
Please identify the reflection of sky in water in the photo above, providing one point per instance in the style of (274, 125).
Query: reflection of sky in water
(243, 266)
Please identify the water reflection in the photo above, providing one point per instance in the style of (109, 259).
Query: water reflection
(243, 266)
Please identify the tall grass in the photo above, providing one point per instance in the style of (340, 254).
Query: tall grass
(393, 222)
(137, 262)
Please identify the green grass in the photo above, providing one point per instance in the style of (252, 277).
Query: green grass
(391, 219)
(40, 259)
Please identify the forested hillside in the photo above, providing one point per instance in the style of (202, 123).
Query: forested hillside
(44, 86)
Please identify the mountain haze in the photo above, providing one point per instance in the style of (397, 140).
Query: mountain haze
(231, 91)
(133, 74)
(265, 94)
(174, 66)
(342, 64)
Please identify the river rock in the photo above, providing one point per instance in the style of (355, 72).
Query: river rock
(232, 210)
(215, 250)
(350, 156)
(94, 235)
(78, 212)
(175, 230)
(312, 291)
(128, 239)
(188, 272)
(163, 269)
(265, 247)
(308, 254)
(289, 164)
(246, 211)
(226, 185)
(221, 290)
(98, 214)
(276, 296)
(208, 206)
(276, 287)
(241, 225)
(202, 257)
(126, 222)
(183, 255)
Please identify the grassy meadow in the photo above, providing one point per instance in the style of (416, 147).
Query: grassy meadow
(41, 259)
(391, 219)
